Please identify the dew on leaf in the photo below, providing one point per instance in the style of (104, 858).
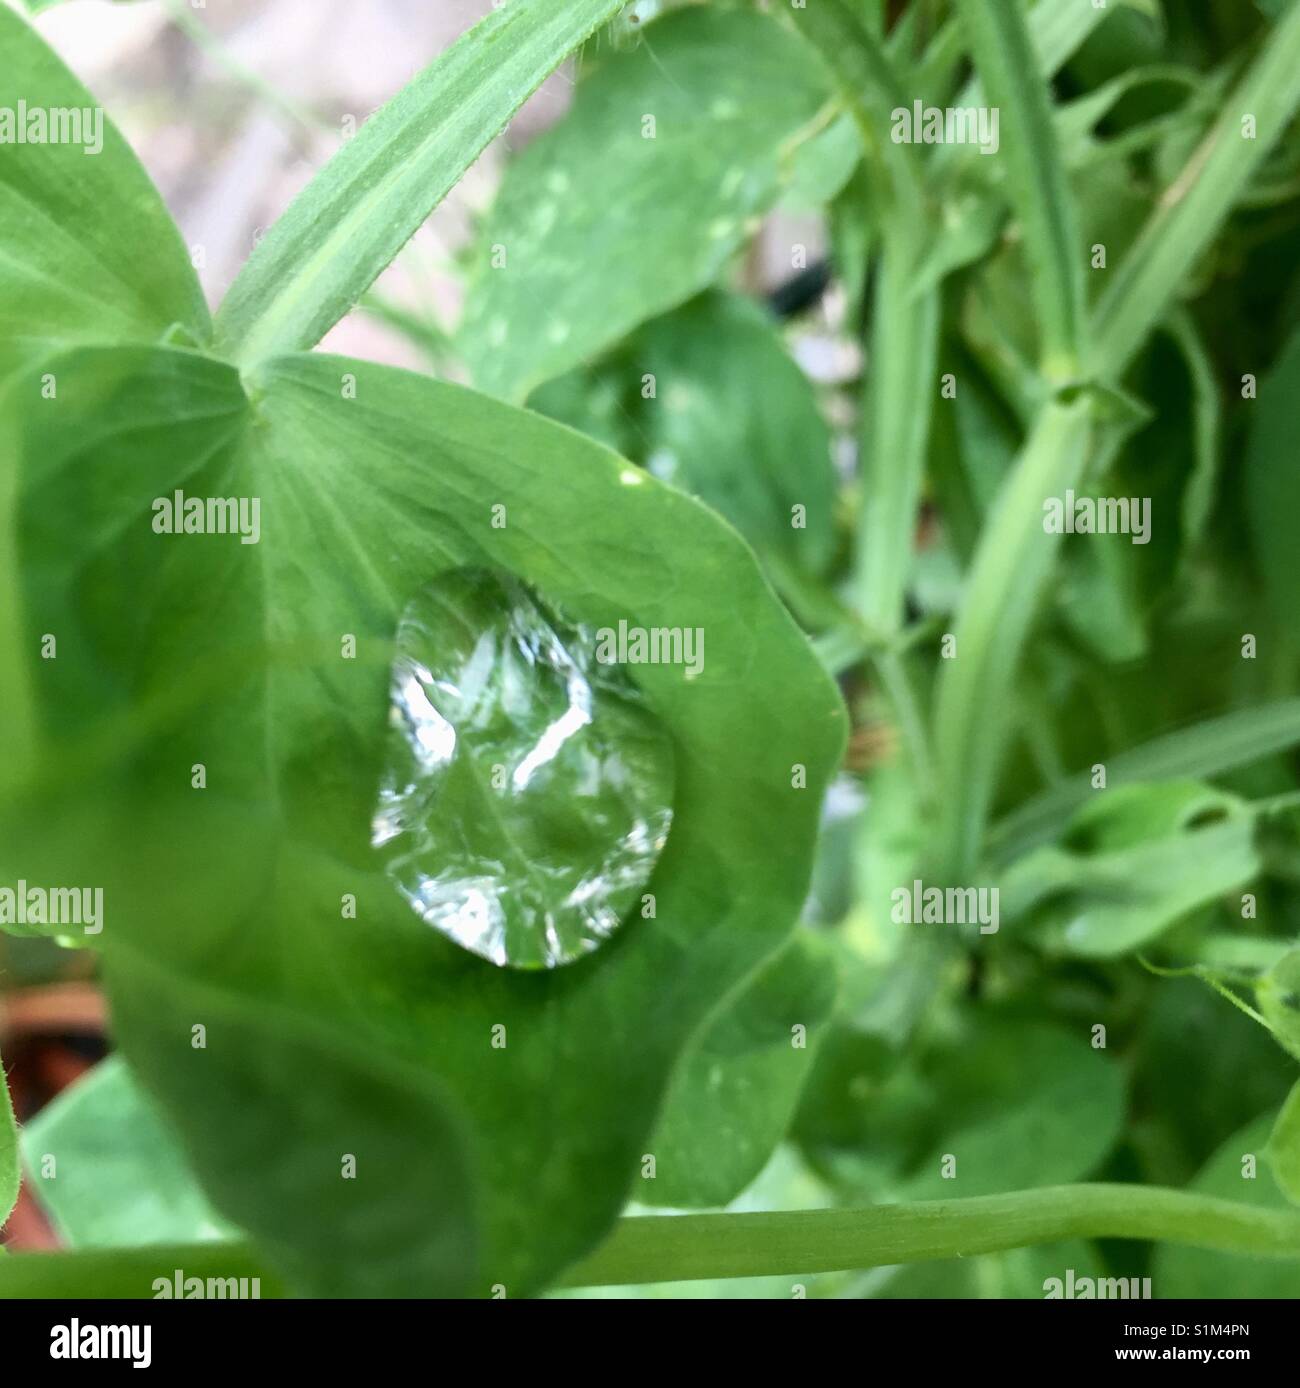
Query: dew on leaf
(527, 787)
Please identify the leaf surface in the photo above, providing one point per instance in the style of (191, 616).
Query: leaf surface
(1273, 481)
(1196, 1272)
(71, 268)
(120, 1178)
(376, 1032)
(731, 96)
(733, 420)
(734, 1094)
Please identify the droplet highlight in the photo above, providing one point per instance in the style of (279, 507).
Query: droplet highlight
(527, 787)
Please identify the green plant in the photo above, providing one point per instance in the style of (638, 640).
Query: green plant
(627, 991)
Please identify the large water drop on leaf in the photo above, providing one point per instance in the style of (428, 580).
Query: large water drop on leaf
(527, 790)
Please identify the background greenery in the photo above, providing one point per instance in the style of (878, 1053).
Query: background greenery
(1131, 1023)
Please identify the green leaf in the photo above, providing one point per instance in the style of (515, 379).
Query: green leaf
(1283, 1150)
(475, 1164)
(971, 223)
(1192, 210)
(592, 399)
(734, 1093)
(366, 203)
(1272, 483)
(1004, 57)
(119, 1177)
(76, 221)
(598, 226)
(1204, 749)
(822, 166)
(1278, 993)
(1193, 1272)
(1137, 860)
(1076, 122)
(1201, 1069)
(734, 421)
(9, 1167)
(1023, 1104)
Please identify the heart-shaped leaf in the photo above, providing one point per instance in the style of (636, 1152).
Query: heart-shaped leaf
(254, 681)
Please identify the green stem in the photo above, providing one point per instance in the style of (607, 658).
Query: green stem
(898, 686)
(1003, 590)
(672, 1248)
(679, 1248)
(1005, 60)
(901, 386)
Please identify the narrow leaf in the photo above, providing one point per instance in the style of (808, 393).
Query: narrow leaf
(1203, 750)
(366, 203)
(1284, 1147)
(1193, 208)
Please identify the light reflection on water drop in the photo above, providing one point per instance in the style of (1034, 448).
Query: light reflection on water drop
(527, 789)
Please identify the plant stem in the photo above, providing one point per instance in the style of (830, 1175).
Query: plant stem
(673, 1248)
(680, 1248)
(1007, 578)
(1004, 58)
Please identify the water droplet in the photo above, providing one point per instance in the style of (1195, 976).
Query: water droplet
(664, 464)
(527, 790)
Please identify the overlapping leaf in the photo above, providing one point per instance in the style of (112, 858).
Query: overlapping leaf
(735, 1092)
(374, 1032)
(640, 197)
(110, 1172)
(1239, 1171)
(709, 399)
